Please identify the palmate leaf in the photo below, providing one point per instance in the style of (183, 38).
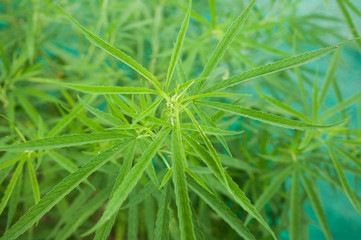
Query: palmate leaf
(264, 117)
(178, 46)
(122, 191)
(36, 212)
(118, 54)
(64, 141)
(209, 130)
(274, 67)
(224, 44)
(221, 209)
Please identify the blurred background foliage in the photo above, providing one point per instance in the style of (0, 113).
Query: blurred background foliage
(38, 42)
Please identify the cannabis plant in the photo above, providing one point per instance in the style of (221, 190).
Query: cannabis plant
(183, 154)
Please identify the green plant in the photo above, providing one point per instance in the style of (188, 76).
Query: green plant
(160, 145)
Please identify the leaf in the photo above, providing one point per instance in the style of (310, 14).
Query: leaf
(221, 209)
(118, 54)
(344, 182)
(264, 117)
(166, 178)
(349, 20)
(103, 232)
(224, 44)
(107, 89)
(178, 46)
(286, 107)
(122, 191)
(181, 190)
(274, 67)
(105, 117)
(270, 191)
(341, 106)
(10, 187)
(230, 185)
(215, 161)
(33, 180)
(148, 111)
(314, 198)
(295, 207)
(162, 220)
(329, 78)
(36, 212)
(63, 141)
(194, 97)
(209, 130)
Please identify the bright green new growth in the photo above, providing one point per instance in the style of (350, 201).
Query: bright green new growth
(166, 141)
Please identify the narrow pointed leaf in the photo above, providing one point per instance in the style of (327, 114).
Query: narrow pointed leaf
(36, 212)
(106, 117)
(295, 204)
(162, 221)
(107, 89)
(224, 44)
(344, 182)
(118, 54)
(10, 187)
(274, 67)
(316, 205)
(122, 191)
(270, 191)
(178, 46)
(63, 141)
(264, 117)
(221, 209)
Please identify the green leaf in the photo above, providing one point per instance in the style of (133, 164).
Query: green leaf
(107, 89)
(178, 46)
(344, 182)
(103, 232)
(122, 191)
(349, 20)
(329, 78)
(286, 107)
(264, 117)
(63, 141)
(105, 117)
(295, 207)
(274, 67)
(181, 190)
(270, 191)
(314, 198)
(224, 44)
(221, 209)
(194, 97)
(166, 178)
(11, 185)
(162, 222)
(230, 185)
(148, 111)
(341, 106)
(118, 54)
(209, 130)
(215, 158)
(36, 212)
(33, 180)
